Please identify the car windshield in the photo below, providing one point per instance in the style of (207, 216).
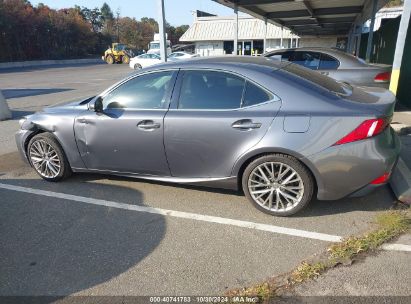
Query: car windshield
(320, 80)
(154, 45)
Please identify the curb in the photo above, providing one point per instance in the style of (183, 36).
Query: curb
(22, 64)
(4, 108)
(400, 182)
(401, 129)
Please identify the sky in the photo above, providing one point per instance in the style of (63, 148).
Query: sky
(177, 11)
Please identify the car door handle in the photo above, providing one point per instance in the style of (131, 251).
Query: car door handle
(82, 120)
(148, 125)
(246, 124)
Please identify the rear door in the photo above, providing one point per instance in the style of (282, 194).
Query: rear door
(215, 117)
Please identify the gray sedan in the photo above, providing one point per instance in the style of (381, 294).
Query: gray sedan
(336, 64)
(279, 132)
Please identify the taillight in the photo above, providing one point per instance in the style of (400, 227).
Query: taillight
(383, 77)
(366, 129)
(382, 179)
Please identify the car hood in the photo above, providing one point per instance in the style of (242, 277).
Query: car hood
(69, 105)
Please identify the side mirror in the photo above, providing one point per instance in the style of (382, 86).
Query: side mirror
(97, 105)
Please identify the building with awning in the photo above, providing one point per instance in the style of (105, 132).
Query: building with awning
(213, 36)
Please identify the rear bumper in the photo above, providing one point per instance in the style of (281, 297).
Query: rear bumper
(349, 169)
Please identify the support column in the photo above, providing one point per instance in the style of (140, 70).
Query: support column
(359, 35)
(399, 47)
(282, 33)
(265, 35)
(371, 32)
(236, 29)
(162, 32)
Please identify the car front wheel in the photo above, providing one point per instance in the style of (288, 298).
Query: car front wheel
(278, 184)
(47, 157)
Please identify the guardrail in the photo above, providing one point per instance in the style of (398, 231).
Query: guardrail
(34, 63)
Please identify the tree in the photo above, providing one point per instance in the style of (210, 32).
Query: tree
(93, 16)
(106, 13)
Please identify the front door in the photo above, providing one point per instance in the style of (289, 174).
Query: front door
(217, 118)
(128, 135)
(247, 48)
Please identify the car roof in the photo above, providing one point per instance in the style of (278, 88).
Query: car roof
(345, 59)
(232, 63)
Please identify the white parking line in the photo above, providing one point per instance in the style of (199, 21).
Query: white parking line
(396, 247)
(195, 216)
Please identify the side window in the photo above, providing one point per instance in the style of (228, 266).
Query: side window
(210, 90)
(254, 95)
(142, 92)
(282, 56)
(328, 63)
(309, 60)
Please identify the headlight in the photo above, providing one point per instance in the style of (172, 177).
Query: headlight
(25, 124)
(22, 121)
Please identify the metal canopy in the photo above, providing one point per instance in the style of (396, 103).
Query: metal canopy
(309, 17)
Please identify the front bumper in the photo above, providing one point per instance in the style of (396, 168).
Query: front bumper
(21, 138)
(349, 169)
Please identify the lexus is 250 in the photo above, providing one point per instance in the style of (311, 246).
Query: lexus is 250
(281, 133)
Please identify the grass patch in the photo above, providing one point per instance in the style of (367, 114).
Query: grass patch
(387, 225)
(307, 271)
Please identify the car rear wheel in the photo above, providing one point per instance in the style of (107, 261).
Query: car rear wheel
(47, 158)
(278, 184)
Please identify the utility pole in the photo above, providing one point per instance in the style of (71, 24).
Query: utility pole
(118, 24)
(399, 47)
(162, 32)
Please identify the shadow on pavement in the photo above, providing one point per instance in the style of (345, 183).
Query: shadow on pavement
(60, 247)
(46, 67)
(17, 93)
(379, 200)
(17, 114)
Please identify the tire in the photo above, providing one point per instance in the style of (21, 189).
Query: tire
(125, 59)
(110, 59)
(291, 187)
(52, 167)
(137, 66)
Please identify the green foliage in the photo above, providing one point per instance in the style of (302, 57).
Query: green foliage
(29, 33)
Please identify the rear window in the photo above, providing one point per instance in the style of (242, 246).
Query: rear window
(318, 79)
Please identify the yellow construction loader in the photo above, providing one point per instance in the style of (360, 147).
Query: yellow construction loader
(117, 53)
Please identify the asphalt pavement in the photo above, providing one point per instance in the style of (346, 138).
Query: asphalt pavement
(105, 235)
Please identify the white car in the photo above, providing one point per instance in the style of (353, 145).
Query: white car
(144, 60)
(180, 55)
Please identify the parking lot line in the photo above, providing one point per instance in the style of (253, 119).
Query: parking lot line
(396, 247)
(194, 216)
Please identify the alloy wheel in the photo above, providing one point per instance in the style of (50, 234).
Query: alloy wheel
(275, 186)
(45, 159)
